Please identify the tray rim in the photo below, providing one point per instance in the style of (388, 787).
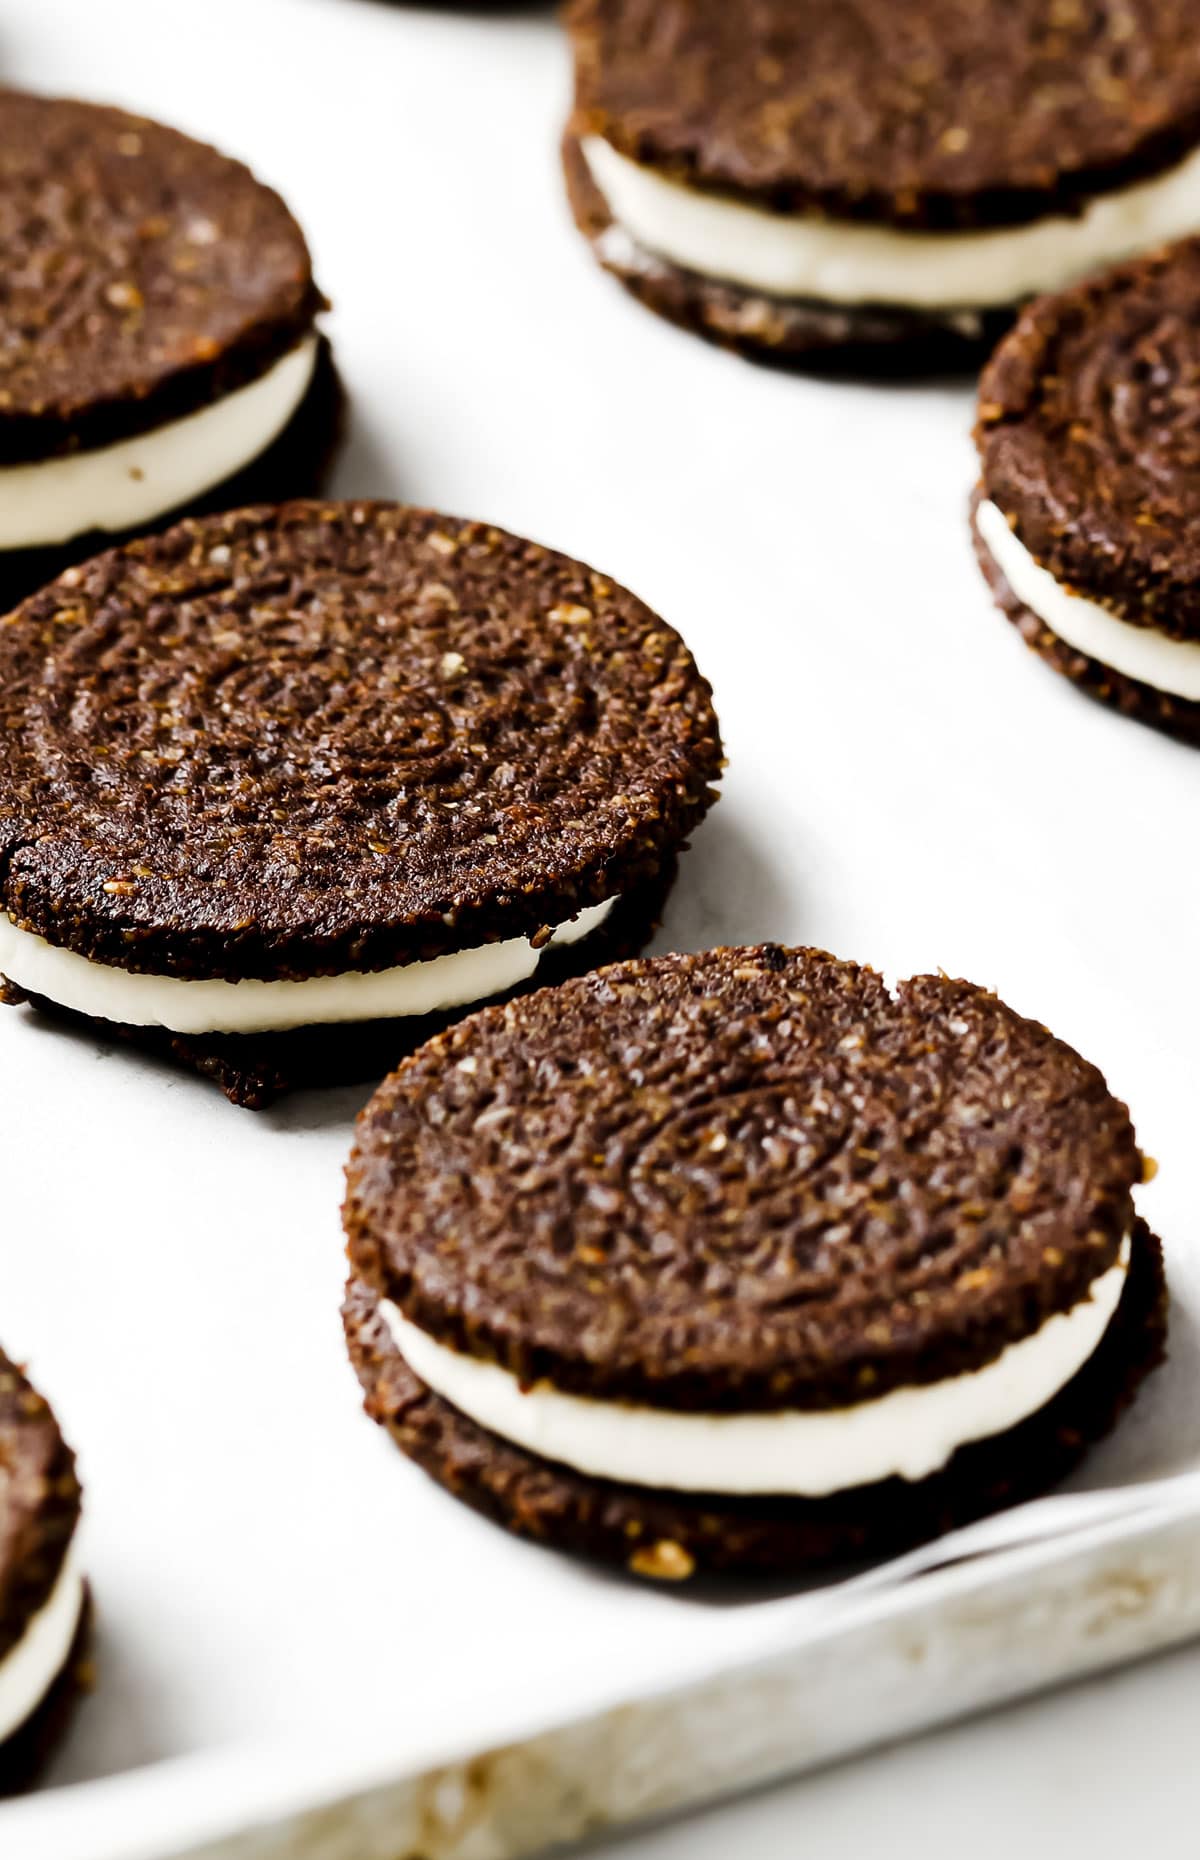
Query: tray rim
(239, 1802)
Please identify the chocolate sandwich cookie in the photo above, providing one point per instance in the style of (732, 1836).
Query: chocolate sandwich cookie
(745, 1261)
(793, 177)
(1087, 517)
(282, 789)
(158, 340)
(44, 1610)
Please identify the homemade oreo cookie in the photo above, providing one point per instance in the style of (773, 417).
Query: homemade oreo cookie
(158, 347)
(1087, 517)
(280, 789)
(743, 1261)
(794, 177)
(44, 1611)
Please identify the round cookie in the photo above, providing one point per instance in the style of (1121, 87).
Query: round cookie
(158, 334)
(329, 765)
(1087, 516)
(743, 1261)
(44, 1608)
(874, 181)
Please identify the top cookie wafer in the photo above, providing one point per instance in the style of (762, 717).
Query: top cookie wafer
(146, 276)
(944, 113)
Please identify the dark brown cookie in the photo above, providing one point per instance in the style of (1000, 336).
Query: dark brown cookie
(146, 275)
(39, 1511)
(1176, 716)
(760, 325)
(670, 1536)
(936, 113)
(761, 1178)
(331, 739)
(148, 281)
(1089, 437)
(752, 1181)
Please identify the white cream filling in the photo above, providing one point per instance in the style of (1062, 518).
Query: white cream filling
(910, 1431)
(125, 485)
(29, 1670)
(1170, 665)
(135, 999)
(841, 261)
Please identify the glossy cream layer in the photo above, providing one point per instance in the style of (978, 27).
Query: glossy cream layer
(910, 1432)
(135, 999)
(845, 262)
(29, 1670)
(1170, 665)
(123, 486)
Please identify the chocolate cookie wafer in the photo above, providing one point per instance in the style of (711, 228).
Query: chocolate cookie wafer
(794, 178)
(744, 1261)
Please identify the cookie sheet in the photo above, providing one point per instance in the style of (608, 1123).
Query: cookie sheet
(290, 1616)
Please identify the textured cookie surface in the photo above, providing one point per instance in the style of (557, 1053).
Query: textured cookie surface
(935, 112)
(671, 1535)
(1089, 434)
(749, 1179)
(145, 274)
(39, 1502)
(331, 737)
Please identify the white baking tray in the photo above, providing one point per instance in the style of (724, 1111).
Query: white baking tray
(292, 1621)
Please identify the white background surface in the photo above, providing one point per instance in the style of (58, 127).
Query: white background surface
(907, 785)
